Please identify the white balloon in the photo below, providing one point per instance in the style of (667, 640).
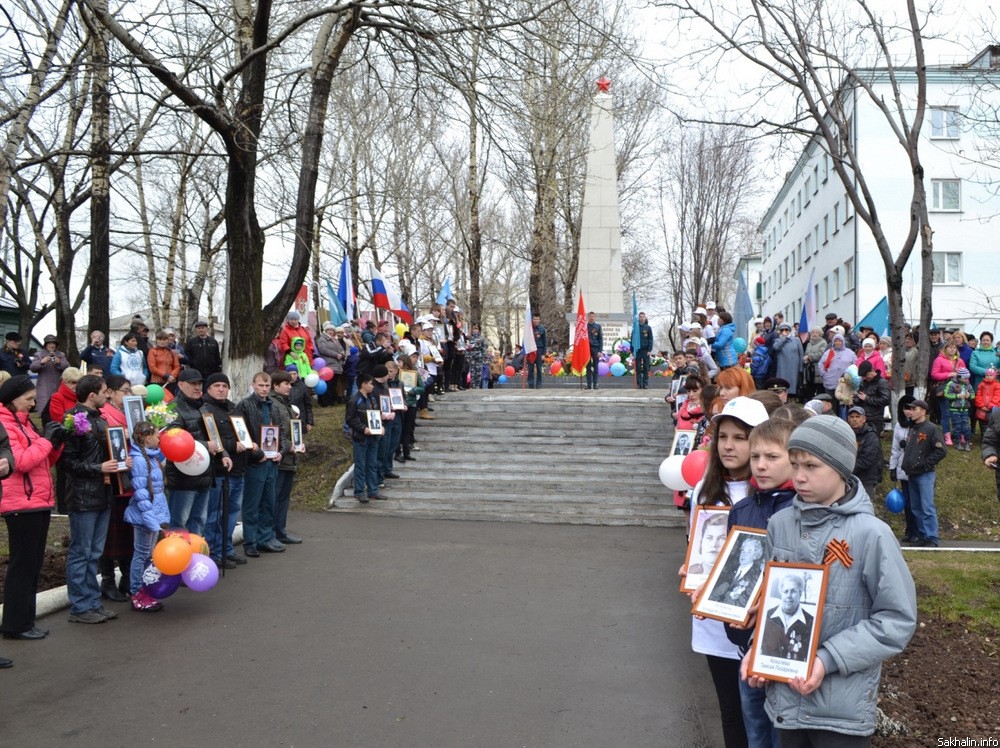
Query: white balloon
(197, 463)
(671, 475)
(312, 379)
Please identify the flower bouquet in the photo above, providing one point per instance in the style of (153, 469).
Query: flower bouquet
(161, 415)
(76, 424)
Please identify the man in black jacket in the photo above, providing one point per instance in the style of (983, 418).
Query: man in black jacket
(375, 354)
(188, 494)
(219, 530)
(281, 391)
(202, 350)
(873, 395)
(924, 449)
(87, 465)
(870, 463)
(365, 443)
(595, 336)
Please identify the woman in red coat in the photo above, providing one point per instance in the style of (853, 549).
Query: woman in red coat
(26, 506)
(64, 398)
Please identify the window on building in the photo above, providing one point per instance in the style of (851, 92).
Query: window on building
(947, 267)
(835, 283)
(784, 277)
(946, 194)
(816, 237)
(944, 122)
(808, 250)
(848, 208)
(809, 191)
(826, 228)
(836, 217)
(824, 299)
(826, 167)
(816, 179)
(849, 275)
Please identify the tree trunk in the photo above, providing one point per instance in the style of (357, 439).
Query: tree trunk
(99, 304)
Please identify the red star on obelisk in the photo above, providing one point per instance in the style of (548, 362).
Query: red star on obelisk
(603, 84)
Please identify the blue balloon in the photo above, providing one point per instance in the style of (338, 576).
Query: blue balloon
(894, 501)
(739, 345)
(617, 369)
(320, 387)
(502, 379)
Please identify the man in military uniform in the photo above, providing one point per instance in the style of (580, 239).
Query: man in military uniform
(642, 355)
(596, 337)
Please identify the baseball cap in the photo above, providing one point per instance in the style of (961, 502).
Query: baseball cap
(744, 409)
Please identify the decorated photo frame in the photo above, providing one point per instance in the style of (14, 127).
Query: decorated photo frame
(733, 585)
(708, 537)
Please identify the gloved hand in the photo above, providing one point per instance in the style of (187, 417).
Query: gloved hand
(892, 475)
(53, 432)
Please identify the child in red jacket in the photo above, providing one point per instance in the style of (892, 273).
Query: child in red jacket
(987, 396)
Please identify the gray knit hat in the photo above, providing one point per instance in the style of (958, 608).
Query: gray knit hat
(830, 439)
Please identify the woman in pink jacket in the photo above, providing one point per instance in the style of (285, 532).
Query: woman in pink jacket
(26, 506)
(870, 352)
(944, 368)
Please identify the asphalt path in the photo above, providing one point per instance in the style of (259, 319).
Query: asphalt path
(382, 631)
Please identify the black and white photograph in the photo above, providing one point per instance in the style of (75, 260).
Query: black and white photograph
(211, 428)
(384, 405)
(732, 587)
(683, 443)
(375, 423)
(677, 385)
(408, 379)
(396, 398)
(118, 446)
(242, 432)
(708, 537)
(135, 411)
(269, 443)
(298, 445)
(789, 620)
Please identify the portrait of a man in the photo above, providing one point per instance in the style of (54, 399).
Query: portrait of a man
(741, 573)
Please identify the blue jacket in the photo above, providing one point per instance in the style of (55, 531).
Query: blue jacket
(595, 336)
(760, 362)
(541, 341)
(144, 510)
(722, 348)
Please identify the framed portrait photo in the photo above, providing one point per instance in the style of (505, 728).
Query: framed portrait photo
(135, 411)
(242, 432)
(384, 405)
(708, 536)
(408, 379)
(298, 445)
(375, 423)
(211, 428)
(396, 398)
(677, 385)
(789, 621)
(683, 443)
(118, 446)
(270, 442)
(732, 587)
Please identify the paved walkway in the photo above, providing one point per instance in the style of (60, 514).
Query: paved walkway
(389, 632)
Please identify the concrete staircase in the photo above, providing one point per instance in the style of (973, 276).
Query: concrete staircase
(555, 456)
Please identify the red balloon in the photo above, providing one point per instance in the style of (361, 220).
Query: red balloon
(694, 466)
(555, 369)
(509, 371)
(326, 373)
(177, 445)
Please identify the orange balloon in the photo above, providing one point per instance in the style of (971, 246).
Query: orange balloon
(172, 555)
(198, 544)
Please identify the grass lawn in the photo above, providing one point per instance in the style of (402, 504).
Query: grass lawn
(328, 455)
(958, 586)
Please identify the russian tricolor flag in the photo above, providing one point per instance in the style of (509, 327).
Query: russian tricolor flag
(385, 296)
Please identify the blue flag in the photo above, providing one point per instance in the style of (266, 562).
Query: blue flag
(445, 294)
(337, 314)
(636, 337)
(345, 292)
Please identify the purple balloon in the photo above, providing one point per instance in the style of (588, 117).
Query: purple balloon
(158, 585)
(603, 369)
(201, 574)
(319, 363)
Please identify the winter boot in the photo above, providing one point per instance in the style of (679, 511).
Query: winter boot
(947, 440)
(109, 590)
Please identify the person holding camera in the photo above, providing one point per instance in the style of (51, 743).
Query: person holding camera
(49, 363)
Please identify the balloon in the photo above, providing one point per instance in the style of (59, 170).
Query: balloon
(198, 544)
(694, 465)
(624, 347)
(154, 394)
(172, 555)
(555, 369)
(321, 387)
(894, 501)
(502, 379)
(851, 371)
(177, 445)
(158, 585)
(509, 371)
(196, 464)
(603, 369)
(319, 363)
(671, 474)
(617, 369)
(201, 574)
(739, 345)
(326, 374)
(311, 379)
(400, 329)
(615, 359)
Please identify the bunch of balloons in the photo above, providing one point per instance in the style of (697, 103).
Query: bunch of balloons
(188, 456)
(682, 472)
(179, 556)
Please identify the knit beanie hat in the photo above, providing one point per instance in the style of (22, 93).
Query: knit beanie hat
(830, 439)
(14, 387)
(217, 377)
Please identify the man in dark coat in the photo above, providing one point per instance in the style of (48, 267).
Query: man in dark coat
(870, 462)
(873, 395)
(202, 351)
(595, 336)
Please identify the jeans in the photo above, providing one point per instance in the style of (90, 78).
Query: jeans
(388, 444)
(366, 466)
(761, 733)
(282, 498)
(258, 503)
(214, 532)
(26, 533)
(535, 372)
(189, 509)
(145, 539)
(592, 372)
(87, 531)
(960, 426)
(911, 530)
(642, 368)
(922, 504)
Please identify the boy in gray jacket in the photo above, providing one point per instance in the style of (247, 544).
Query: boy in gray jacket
(870, 610)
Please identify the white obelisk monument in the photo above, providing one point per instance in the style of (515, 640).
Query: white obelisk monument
(599, 273)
